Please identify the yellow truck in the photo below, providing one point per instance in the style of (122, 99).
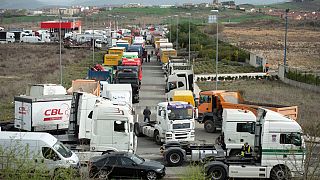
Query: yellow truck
(166, 53)
(111, 60)
(183, 95)
(117, 51)
(127, 38)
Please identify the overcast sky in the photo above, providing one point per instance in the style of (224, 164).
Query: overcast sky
(163, 1)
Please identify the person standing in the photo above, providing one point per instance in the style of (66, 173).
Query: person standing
(246, 150)
(146, 114)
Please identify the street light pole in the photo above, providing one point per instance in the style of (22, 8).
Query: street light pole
(189, 14)
(177, 38)
(170, 26)
(93, 41)
(60, 43)
(285, 40)
(217, 45)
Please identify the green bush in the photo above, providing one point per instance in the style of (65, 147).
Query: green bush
(303, 77)
(194, 172)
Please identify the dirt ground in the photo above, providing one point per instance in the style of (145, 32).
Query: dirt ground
(303, 44)
(22, 64)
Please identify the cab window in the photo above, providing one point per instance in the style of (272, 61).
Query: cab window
(245, 127)
(291, 138)
(119, 126)
(205, 99)
(49, 153)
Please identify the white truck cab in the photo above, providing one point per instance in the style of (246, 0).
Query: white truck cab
(181, 80)
(100, 125)
(238, 127)
(174, 122)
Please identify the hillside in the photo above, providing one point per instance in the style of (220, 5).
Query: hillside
(312, 5)
(18, 4)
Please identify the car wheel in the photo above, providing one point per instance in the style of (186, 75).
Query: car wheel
(217, 173)
(280, 173)
(209, 126)
(157, 138)
(151, 175)
(103, 174)
(92, 172)
(174, 157)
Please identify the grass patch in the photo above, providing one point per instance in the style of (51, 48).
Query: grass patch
(21, 19)
(195, 172)
(224, 67)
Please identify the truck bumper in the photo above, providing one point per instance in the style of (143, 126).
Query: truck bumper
(179, 137)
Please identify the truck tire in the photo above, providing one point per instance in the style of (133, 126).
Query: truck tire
(174, 157)
(217, 173)
(280, 173)
(137, 129)
(157, 138)
(209, 126)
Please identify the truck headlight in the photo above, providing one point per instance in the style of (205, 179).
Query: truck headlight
(192, 133)
(168, 135)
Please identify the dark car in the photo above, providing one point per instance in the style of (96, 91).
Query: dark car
(125, 165)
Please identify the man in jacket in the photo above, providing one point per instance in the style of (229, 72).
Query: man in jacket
(146, 114)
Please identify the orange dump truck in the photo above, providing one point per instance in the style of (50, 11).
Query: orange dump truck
(212, 103)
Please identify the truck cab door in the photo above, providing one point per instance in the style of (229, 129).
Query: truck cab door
(245, 133)
(205, 104)
(120, 135)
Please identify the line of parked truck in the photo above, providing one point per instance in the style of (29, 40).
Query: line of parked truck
(97, 118)
(278, 146)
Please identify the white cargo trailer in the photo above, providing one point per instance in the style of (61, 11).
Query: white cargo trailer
(42, 113)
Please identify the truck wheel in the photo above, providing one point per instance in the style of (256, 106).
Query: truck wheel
(137, 129)
(174, 158)
(157, 138)
(209, 126)
(280, 173)
(217, 173)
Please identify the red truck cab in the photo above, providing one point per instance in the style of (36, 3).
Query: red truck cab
(133, 62)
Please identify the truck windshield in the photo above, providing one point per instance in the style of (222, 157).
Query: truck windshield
(180, 114)
(64, 151)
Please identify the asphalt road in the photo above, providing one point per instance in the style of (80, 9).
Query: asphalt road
(151, 93)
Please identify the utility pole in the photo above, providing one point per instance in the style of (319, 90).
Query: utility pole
(285, 40)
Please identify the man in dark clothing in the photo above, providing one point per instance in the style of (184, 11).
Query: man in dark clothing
(146, 114)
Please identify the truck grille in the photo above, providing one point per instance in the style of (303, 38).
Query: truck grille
(181, 126)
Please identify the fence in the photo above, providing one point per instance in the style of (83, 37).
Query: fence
(302, 76)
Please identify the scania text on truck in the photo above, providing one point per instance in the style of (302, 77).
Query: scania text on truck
(277, 149)
(174, 122)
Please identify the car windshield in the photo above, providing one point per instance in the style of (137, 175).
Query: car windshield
(180, 114)
(137, 159)
(64, 151)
